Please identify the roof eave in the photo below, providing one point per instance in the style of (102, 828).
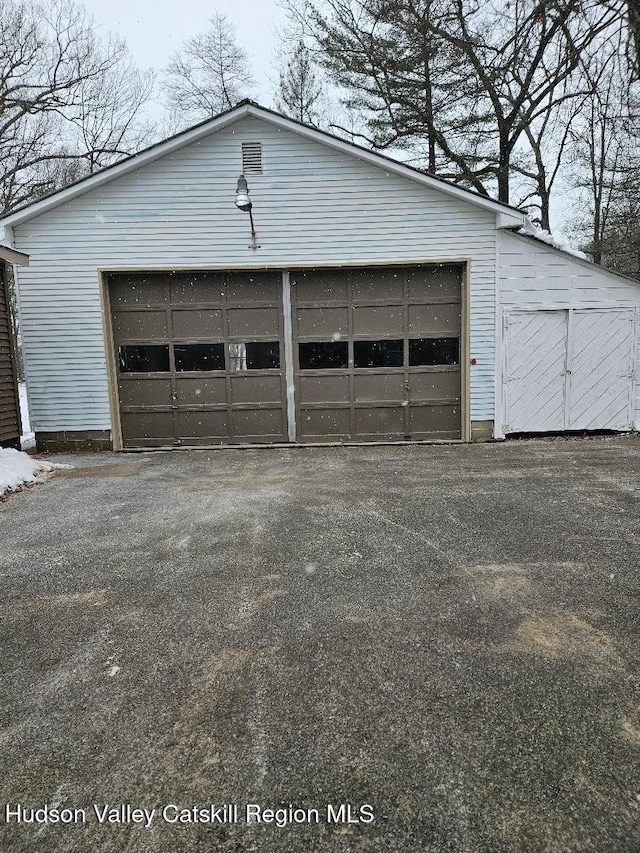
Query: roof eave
(11, 256)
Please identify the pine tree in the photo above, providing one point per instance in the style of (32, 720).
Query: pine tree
(299, 90)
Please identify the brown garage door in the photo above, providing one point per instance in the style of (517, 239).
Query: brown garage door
(199, 357)
(377, 353)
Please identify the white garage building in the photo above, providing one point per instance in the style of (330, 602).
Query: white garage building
(372, 303)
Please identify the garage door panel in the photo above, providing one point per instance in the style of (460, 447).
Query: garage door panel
(323, 388)
(149, 428)
(202, 424)
(380, 320)
(256, 389)
(253, 322)
(322, 322)
(376, 387)
(140, 290)
(536, 337)
(258, 286)
(204, 390)
(380, 421)
(324, 423)
(430, 319)
(320, 286)
(364, 355)
(140, 325)
(434, 385)
(186, 288)
(429, 283)
(145, 392)
(189, 325)
(440, 421)
(386, 285)
(256, 424)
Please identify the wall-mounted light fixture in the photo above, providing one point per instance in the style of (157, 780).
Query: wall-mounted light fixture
(243, 202)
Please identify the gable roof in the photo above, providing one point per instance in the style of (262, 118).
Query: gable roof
(510, 216)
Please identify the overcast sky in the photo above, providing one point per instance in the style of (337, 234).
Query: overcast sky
(154, 29)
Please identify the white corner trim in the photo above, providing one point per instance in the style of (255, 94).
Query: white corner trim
(499, 405)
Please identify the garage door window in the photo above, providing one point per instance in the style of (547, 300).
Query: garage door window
(424, 352)
(378, 353)
(143, 359)
(255, 355)
(199, 357)
(323, 355)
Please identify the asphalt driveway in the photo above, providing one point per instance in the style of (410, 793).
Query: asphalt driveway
(444, 639)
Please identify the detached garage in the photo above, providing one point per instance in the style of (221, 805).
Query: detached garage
(360, 300)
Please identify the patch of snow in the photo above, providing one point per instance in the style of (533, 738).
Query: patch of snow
(532, 230)
(17, 468)
(28, 438)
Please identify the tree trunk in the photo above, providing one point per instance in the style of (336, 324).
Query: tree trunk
(429, 94)
(597, 235)
(545, 219)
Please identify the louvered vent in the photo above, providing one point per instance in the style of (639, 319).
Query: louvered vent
(252, 158)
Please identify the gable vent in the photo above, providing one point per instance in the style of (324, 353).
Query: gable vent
(252, 158)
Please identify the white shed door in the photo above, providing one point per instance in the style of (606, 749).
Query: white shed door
(569, 370)
(600, 365)
(536, 368)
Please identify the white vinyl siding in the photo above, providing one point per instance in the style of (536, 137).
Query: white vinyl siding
(536, 277)
(314, 204)
(532, 273)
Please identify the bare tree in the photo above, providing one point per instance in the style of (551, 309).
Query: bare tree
(605, 144)
(209, 74)
(107, 122)
(50, 62)
(621, 241)
(541, 164)
(529, 65)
